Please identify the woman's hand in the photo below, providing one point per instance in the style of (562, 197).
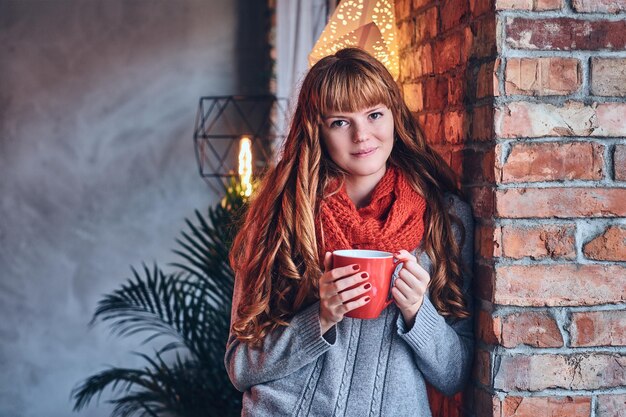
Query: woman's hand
(333, 295)
(410, 287)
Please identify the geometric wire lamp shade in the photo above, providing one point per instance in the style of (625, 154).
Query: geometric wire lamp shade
(223, 121)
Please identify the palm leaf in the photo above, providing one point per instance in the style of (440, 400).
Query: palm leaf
(117, 379)
(145, 303)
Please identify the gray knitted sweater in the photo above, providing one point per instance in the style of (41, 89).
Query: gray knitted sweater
(358, 368)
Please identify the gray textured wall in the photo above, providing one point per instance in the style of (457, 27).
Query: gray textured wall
(97, 171)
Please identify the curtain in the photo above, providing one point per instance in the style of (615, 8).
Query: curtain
(299, 23)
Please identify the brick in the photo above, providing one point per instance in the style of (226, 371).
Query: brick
(483, 124)
(451, 160)
(482, 367)
(559, 285)
(449, 53)
(488, 328)
(541, 5)
(468, 44)
(406, 34)
(539, 242)
(407, 67)
(542, 76)
(418, 4)
(477, 165)
(536, 5)
(456, 126)
(599, 6)
(422, 58)
(426, 25)
(561, 202)
(482, 200)
(613, 405)
(455, 160)
(488, 241)
(611, 118)
(473, 166)
(553, 161)
(454, 13)
(480, 7)
(582, 371)
(514, 4)
(608, 77)
(413, 96)
(486, 80)
(483, 44)
(566, 34)
(619, 162)
(610, 246)
(546, 406)
(403, 9)
(456, 89)
(537, 329)
(435, 93)
(433, 127)
(598, 328)
(524, 119)
(444, 151)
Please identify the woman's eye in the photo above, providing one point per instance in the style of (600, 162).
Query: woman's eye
(376, 115)
(337, 123)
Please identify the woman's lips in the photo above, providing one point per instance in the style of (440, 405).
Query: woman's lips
(366, 153)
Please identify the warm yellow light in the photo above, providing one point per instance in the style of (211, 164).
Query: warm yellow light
(367, 24)
(245, 165)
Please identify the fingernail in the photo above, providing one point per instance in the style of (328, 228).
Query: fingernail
(364, 275)
(367, 286)
(367, 299)
(356, 267)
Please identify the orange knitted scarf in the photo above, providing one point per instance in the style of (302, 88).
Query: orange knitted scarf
(393, 220)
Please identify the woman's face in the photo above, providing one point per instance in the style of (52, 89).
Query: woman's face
(360, 142)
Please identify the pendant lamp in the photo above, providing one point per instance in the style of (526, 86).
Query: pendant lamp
(367, 24)
(234, 138)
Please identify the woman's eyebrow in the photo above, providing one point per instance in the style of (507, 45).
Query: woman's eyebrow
(364, 111)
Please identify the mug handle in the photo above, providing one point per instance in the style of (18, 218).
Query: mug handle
(394, 277)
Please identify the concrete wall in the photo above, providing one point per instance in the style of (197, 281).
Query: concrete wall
(97, 170)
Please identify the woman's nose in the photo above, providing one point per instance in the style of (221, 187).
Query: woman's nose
(360, 133)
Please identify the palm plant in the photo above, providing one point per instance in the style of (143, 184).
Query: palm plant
(190, 309)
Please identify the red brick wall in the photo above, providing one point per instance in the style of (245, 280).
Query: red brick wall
(448, 52)
(527, 101)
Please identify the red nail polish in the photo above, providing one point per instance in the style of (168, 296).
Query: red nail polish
(367, 286)
(367, 299)
(356, 267)
(364, 275)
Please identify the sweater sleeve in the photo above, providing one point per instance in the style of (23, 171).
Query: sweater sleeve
(443, 349)
(282, 351)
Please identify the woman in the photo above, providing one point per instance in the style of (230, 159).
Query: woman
(355, 173)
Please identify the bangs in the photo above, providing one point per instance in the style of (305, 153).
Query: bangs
(351, 88)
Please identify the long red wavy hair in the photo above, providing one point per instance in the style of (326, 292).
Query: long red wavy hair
(275, 254)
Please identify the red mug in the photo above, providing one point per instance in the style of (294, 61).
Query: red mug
(382, 276)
